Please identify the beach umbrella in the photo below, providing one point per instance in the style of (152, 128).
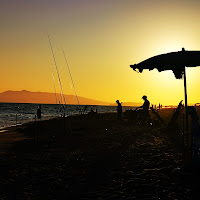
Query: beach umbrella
(175, 61)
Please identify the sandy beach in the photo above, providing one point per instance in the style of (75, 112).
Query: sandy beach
(92, 157)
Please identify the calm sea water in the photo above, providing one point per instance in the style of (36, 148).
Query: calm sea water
(19, 113)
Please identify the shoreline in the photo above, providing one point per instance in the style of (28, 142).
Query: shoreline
(21, 113)
(52, 117)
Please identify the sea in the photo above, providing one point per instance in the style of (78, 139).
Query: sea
(12, 114)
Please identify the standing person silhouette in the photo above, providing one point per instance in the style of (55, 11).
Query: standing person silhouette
(145, 108)
(119, 110)
(39, 115)
(195, 130)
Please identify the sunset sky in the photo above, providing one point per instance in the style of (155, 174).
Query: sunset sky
(101, 39)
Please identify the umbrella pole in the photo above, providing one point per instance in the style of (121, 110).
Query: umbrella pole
(185, 90)
(187, 142)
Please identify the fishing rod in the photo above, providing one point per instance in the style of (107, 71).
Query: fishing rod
(57, 100)
(54, 85)
(71, 77)
(56, 69)
(74, 91)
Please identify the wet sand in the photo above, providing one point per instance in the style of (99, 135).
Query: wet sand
(92, 157)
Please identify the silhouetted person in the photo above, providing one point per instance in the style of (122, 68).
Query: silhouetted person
(91, 112)
(119, 110)
(145, 105)
(39, 115)
(173, 123)
(195, 129)
(145, 108)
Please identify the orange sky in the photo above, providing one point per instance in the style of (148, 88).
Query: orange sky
(101, 38)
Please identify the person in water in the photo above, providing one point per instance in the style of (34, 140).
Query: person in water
(39, 115)
(119, 110)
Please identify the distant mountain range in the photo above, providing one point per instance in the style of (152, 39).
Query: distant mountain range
(25, 96)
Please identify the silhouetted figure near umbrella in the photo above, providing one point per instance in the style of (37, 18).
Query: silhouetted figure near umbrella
(145, 105)
(173, 123)
(39, 115)
(195, 130)
(119, 110)
(145, 110)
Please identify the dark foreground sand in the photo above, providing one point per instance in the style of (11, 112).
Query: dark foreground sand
(91, 158)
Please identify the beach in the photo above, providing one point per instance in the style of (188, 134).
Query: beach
(93, 157)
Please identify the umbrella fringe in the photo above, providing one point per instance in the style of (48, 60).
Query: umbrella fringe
(178, 73)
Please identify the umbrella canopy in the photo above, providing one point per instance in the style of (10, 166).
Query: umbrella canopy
(175, 61)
